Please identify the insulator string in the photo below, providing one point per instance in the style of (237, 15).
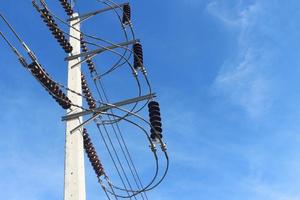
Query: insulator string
(92, 154)
(132, 186)
(67, 7)
(54, 90)
(53, 27)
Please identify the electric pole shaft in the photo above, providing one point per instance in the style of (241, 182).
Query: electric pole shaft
(74, 185)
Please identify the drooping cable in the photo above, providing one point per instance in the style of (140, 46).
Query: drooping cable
(121, 142)
(113, 119)
(156, 161)
(94, 159)
(112, 158)
(163, 147)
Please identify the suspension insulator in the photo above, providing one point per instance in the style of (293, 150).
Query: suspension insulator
(87, 93)
(67, 7)
(155, 120)
(126, 14)
(53, 27)
(138, 56)
(53, 89)
(92, 154)
(84, 49)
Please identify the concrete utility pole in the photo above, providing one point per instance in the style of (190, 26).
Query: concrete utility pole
(74, 188)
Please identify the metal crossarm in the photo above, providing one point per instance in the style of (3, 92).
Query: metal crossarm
(112, 120)
(97, 51)
(86, 16)
(109, 106)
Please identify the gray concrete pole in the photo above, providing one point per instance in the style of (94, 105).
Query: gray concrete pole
(74, 185)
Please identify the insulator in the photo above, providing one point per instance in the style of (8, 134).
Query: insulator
(56, 32)
(53, 89)
(67, 7)
(155, 120)
(138, 56)
(87, 93)
(92, 154)
(126, 14)
(85, 49)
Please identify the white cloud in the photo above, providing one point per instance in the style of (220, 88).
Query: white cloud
(242, 78)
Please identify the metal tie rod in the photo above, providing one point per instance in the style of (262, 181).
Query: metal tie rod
(97, 51)
(88, 15)
(108, 106)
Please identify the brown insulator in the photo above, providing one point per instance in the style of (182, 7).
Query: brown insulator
(67, 7)
(53, 27)
(59, 36)
(155, 120)
(87, 93)
(39, 73)
(126, 14)
(92, 155)
(84, 49)
(138, 56)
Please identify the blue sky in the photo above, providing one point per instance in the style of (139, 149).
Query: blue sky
(226, 73)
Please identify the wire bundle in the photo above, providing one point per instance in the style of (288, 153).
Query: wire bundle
(56, 32)
(109, 121)
(54, 90)
(92, 154)
(87, 93)
(68, 8)
(126, 14)
(138, 56)
(84, 49)
(155, 120)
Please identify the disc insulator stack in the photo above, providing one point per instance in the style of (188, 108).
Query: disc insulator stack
(52, 87)
(87, 93)
(155, 120)
(84, 49)
(53, 27)
(68, 8)
(138, 56)
(126, 14)
(92, 154)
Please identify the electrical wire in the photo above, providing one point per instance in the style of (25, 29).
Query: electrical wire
(109, 118)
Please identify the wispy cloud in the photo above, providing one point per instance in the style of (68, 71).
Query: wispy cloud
(242, 78)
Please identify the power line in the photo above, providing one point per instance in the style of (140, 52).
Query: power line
(129, 53)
